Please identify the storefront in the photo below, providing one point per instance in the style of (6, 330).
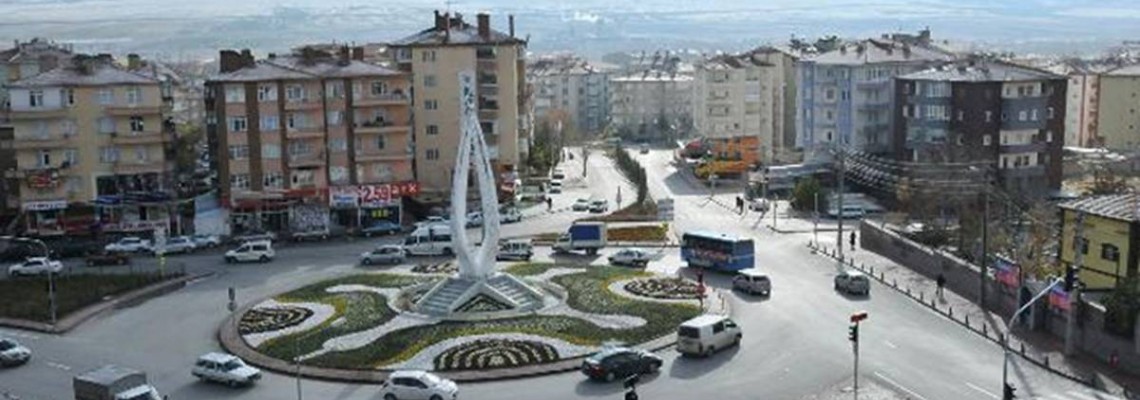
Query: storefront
(365, 205)
(45, 218)
(272, 211)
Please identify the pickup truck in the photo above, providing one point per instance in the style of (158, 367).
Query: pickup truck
(588, 236)
(112, 382)
(130, 244)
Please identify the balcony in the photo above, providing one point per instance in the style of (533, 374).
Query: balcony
(874, 84)
(388, 99)
(374, 156)
(145, 137)
(488, 80)
(307, 160)
(488, 104)
(138, 167)
(874, 105)
(308, 132)
(38, 113)
(1024, 148)
(303, 104)
(136, 109)
(485, 53)
(41, 142)
(487, 64)
(380, 127)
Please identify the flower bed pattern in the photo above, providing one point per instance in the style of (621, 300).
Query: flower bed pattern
(663, 288)
(494, 353)
(446, 267)
(268, 319)
(646, 233)
(483, 303)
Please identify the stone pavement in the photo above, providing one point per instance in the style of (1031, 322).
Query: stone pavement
(1042, 349)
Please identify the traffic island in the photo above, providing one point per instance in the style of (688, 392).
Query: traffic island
(358, 328)
(25, 303)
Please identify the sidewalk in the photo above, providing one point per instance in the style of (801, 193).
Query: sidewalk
(1038, 348)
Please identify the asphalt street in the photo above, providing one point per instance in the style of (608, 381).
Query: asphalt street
(795, 343)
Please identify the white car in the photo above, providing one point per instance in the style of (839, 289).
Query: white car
(752, 281)
(206, 241)
(177, 244)
(432, 220)
(256, 236)
(760, 205)
(129, 244)
(387, 254)
(581, 205)
(418, 385)
(510, 216)
(474, 219)
(12, 353)
(226, 369)
(260, 251)
(853, 282)
(599, 206)
(634, 257)
(36, 266)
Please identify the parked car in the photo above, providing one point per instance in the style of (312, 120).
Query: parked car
(510, 215)
(176, 245)
(387, 254)
(261, 251)
(581, 205)
(381, 227)
(314, 233)
(706, 334)
(224, 368)
(103, 257)
(206, 241)
(644, 149)
(474, 219)
(130, 244)
(853, 282)
(418, 385)
(256, 236)
(620, 362)
(12, 353)
(634, 257)
(752, 281)
(36, 266)
(599, 206)
(432, 220)
(515, 250)
(759, 204)
(555, 187)
(848, 212)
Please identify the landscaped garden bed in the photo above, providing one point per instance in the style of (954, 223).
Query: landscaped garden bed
(644, 233)
(445, 267)
(494, 353)
(27, 298)
(663, 288)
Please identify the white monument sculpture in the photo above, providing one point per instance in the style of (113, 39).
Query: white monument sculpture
(477, 287)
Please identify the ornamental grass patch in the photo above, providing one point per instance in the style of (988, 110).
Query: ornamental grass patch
(27, 298)
(646, 233)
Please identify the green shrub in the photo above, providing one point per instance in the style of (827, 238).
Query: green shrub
(27, 298)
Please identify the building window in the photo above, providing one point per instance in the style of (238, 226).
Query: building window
(268, 123)
(1048, 136)
(1004, 116)
(829, 94)
(70, 157)
(106, 125)
(109, 154)
(1033, 115)
(380, 142)
(334, 118)
(68, 96)
(270, 151)
(266, 93)
(1021, 116)
(43, 158)
(431, 104)
(986, 141)
(299, 147)
(433, 129)
(432, 154)
(1082, 245)
(427, 56)
(134, 95)
(294, 93)
(137, 124)
(239, 152)
(239, 181)
(335, 90)
(338, 145)
(429, 81)
(35, 98)
(68, 127)
(235, 94)
(302, 177)
(295, 121)
(237, 124)
(273, 179)
(379, 88)
(989, 116)
(106, 97)
(141, 154)
(961, 115)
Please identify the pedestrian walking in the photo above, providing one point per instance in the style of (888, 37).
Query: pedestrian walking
(852, 241)
(941, 282)
(549, 204)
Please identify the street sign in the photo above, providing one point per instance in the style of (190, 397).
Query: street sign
(665, 209)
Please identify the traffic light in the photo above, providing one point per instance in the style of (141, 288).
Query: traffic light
(1071, 278)
(853, 333)
(1008, 392)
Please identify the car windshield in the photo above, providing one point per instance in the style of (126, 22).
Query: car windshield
(430, 379)
(6, 345)
(232, 365)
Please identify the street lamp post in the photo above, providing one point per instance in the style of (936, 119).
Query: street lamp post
(853, 335)
(1009, 332)
(52, 309)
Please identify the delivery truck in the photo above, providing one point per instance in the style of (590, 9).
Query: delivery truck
(588, 236)
(112, 382)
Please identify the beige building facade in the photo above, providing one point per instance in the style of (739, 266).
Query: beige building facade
(1117, 117)
(642, 97)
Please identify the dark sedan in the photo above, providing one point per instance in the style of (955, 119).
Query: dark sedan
(382, 228)
(620, 362)
(107, 258)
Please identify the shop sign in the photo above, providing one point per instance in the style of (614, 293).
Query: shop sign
(45, 205)
(139, 226)
(43, 179)
(343, 196)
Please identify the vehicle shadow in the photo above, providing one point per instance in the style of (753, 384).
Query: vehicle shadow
(591, 388)
(751, 298)
(209, 390)
(686, 367)
(854, 297)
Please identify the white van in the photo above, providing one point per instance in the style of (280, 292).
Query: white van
(429, 240)
(259, 251)
(521, 250)
(706, 334)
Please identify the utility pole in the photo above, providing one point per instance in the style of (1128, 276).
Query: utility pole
(297, 362)
(983, 265)
(1007, 390)
(839, 205)
(853, 336)
(815, 220)
(1072, 286)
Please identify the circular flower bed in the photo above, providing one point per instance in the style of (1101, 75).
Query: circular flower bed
(446, 267)
(663, 288)
(272, 319)
(495, 353)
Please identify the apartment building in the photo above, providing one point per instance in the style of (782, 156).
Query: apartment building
(27, 59)
(1111, 235)
(90, 142)
(1116, 123)
(740, 105)
(640, 98)
(573, 86)
(434, 57)
(305, 137)
(1007, 116)
(845, 95)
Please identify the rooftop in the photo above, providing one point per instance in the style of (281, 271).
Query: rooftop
(879, 51)
(1128, 70)
(81, 73)
(330, 67)
(34, 49)
(260, 71)
(1116, 206)
(653, 76)
(982, 71)
(451, 30)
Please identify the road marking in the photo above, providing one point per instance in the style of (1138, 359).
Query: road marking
(983, 391)
(889, 344)
(1086, 396)
(58, 365)
(897, 385)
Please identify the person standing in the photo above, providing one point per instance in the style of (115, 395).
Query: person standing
(941, 281)
(852, 241)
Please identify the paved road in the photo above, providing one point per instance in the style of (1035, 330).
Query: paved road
(795, 342)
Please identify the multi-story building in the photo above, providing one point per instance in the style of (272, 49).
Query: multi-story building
(845, 95)
(435, 57)
(1116, 123)
(299, 137)
(1110, 239)
(739, 105)
(641, 98)
(1008, 117)
(572, 86)
(90, 148)
(27, 59)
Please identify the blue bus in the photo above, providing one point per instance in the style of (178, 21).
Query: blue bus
(717, 251)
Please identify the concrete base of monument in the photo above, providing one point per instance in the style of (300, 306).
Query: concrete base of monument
(458, 297)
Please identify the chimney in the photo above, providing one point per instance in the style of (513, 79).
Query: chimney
(446, 27)
(440, 21)
(230, 61)
(358, 53)
(133, 61)
(272, 56)
(342, 54)
(484, 24)
(511, 25)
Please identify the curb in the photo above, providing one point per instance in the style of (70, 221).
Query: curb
(77, 318)
(996, 338)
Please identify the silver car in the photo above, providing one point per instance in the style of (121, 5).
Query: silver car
(12, 353)
(752, 281)
(853, 282)
(388, 254)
